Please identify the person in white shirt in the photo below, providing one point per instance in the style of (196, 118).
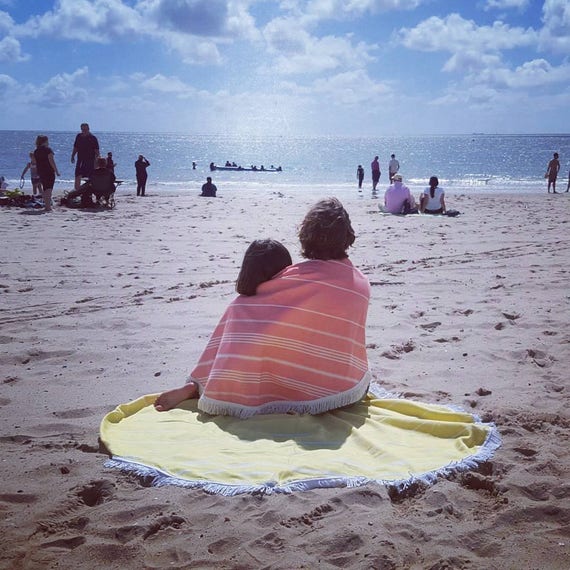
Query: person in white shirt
(432, 201)
(393, 167)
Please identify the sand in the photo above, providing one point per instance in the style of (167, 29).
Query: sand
(99, 308)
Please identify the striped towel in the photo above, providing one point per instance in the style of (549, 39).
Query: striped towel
(297, 345)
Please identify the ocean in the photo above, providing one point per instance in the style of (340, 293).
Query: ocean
(479, 163)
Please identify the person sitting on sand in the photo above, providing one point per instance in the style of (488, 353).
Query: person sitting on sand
(101, 183)
(263, 260)
(432, 201)
(208, 189)
(398, 199)
(298, 344)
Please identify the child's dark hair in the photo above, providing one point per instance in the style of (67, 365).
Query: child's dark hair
(326, 231)
(263, 259)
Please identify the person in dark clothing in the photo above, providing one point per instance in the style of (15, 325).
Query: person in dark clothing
(110, 163)
(101, 183)
(141, 165)
(209, 189)
(47, 169)
(360, 175)
(86, 147)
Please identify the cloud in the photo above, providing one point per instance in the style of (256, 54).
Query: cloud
(535, 73)
(505, 4)
(6, 22)
(61, 90)
(7, 84)
(164, 84)
(196, 17)
(10, 51)
(298, 52)
(191, 49)
(338, 9)
(455, 34)
(555, 34)
(97, 21)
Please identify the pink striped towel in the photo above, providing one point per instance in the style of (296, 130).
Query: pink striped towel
(297, 345)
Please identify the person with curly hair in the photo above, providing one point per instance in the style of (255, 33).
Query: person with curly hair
(296, 341)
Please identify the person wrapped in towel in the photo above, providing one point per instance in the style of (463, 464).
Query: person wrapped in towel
(294, 339)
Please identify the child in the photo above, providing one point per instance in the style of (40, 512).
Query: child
(32, 167)
(263, 259)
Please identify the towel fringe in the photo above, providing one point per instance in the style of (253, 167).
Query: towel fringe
(319, 406)
(159, 478)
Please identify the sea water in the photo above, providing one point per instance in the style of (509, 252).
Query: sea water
(479, 163)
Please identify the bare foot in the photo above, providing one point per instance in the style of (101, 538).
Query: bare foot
(171, 398)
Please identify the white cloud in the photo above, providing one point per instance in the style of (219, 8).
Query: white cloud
(165, 84)
(504, 4)
(6, 22)
(555, 34)
(97, 21)
(350, 88)
(10, 50)
(299, 52)
(535, 73)
(342, 8)
(61, 90)
(7, 84)
(454, 34)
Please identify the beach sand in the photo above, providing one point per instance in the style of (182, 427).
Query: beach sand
(99, 308)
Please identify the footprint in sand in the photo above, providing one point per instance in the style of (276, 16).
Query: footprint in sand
(96, 492)
(431, 326)
(308, 518)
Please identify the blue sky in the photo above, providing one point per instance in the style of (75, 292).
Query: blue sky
(295, 67)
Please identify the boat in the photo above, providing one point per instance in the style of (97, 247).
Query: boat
(244, 169)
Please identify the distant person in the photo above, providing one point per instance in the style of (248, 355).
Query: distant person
(110, 164)
(193, 165)
(552, 173)
(568, 187)
(86, 147)
(393, 167)
(398, 198)
(360, 175)
(208, 189)
(140, 166)
(35, 177)
(47, 169)
(432, 201)
(375, 167)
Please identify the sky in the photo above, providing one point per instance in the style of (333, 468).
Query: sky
(294, 67)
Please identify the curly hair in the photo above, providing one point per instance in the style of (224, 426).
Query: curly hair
(263, 259)
(326, 231)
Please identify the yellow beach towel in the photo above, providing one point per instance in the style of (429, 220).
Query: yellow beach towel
(390, 441)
